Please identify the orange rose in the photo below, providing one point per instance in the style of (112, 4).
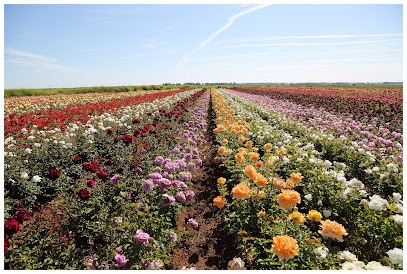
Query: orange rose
(297, 217)
(221, 150)
(250, 172)
(216, 159)
(219, 202)
(285, 247)
(218, 119)
(288, 199)
(278, 183)
(296, 177)
(289, 184)
(260, 180)
(221, 180)
(233, 131)
(225, 141)
(240, 158)
(258, 196)
(254, 156)
(268, 146)
(255, 149)
(241, 191)
(332, 229)
(249, 143)
(280, 152)
(259, 164)
(262, 214)
(242, 151)
(241, 139)
(314, 215)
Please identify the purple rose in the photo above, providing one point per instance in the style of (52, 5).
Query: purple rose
(188, 156)
(190, 195)
(118, 250)
(168, 200)
(180, 197)
(115, 179)
(183, 186)
(159, 160)
(139, 170)
(120, 260)
(142, 237)
(191, 166)
(198, 162)
(185, 176)
(192, 223)
(148, 186)
(176, 150)
(154, 175)
(172, 237)
(175, 183)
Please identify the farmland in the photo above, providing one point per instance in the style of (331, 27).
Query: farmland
(205, 178)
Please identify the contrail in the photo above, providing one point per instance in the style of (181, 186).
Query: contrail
(219, 31)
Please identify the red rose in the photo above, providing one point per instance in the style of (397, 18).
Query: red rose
(127, 139)
(116, 139)
(143, 134)
(6, 246)
(77, 159)
(92, 167)
(110, 131)
(136, 132)
(91, 183)
(53, 174)
(83, 194)
(11, 226)
(136, 121)
(21, 216)
(102, 174)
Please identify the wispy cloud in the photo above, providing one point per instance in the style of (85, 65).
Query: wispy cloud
(29, 59)
(240, 40)
(219, 31)
(308, 44)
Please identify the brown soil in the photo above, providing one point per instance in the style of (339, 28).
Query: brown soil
(207, 246)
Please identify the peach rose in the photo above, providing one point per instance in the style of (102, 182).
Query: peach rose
(250, 172)
(233, 131)
(280, 152)
(241, 191)
(278, 183)
(241, 139)
(296, 177)
(219, 202)
(254, 156)
(332, 229)
(288, 199)
(268, 146)
(249, 143)
(259, 164)
(285, 247)
(225, 141)
(240, 158)
(260, 180)
(221, 150)
(242, 151)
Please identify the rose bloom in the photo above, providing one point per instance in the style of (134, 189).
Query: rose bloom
(236, 264)
(254, 156)
(268, 146)
(241, 191)
(221, 180)
(332, 229)
(259, 164)
(21, 216)
(142, 238)
(192, 223)
(250, 172)
(249, 143)
(285, 247)
(260, 180)
(255, 149)
(91, 183)
(314, 215)
(216, 160)
(83, 194)
(219, 202)
(102, 174)
(280, 152)
(241, 139)
(289, 183)
(288, 199)
(240, 158)
(221, 150)
(278, 183)
(296, 177)
(224, 141)
(242, 151)
(297, 217)
(262, 213)
(11, 226)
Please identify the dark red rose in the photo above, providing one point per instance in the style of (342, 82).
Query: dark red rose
(91, 183)
(127, 139)
(143, 134)
(6, 246)
(102, 174)
(77, 159)
(109, 162)
(136, 121)
(136, 132)
(116, 139)
(110, 131)
(21, 216)
(83, 194)
(53, 174)
(11, 226)
(92, 167)
(149, 113)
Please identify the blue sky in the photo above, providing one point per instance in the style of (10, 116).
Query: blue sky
(92, 45)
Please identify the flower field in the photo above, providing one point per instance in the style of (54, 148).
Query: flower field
(299, 178)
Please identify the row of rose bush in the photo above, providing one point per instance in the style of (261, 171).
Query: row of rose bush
(253, 214)
(382, 169)
(108, 210)
(362, 104)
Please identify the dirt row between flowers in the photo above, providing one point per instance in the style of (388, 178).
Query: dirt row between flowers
(207, 247)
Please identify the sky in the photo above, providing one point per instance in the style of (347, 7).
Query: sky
(64, 46)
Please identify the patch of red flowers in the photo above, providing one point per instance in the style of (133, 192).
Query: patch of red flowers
(83, 194)
(53, 174)
(11, 226)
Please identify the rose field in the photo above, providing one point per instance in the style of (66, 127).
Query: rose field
(276, 178)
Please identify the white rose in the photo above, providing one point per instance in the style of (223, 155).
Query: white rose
(398, 219)
(373, 265)
(36, 179)
(24, 175)
(396, 197)
(322, 251)
(326, 213)
(28, 150)
(350, 266)
(376, 205)
(308, 197)
(396, 256)
(399, 208)
(348, 256)
(375, 169)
